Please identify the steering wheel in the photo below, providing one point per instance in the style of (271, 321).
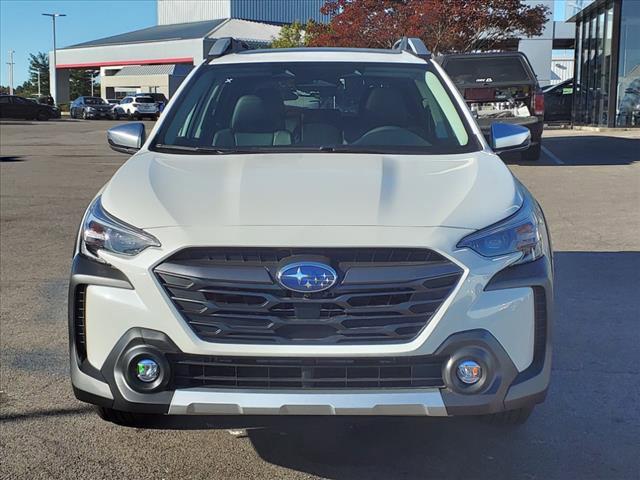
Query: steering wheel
(391, 135)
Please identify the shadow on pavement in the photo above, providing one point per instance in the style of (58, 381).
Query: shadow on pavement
(58, 412)
(11, 158)
(594, 149)
(581, 150)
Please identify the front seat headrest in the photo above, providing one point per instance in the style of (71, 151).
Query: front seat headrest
(386, 106)
(252, 114)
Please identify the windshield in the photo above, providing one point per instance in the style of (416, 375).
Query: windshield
(94, 101)
(302, 106)
(485, 69)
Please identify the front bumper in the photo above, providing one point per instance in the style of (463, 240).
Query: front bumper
(146, 113)
(99, 114)
(494, 320)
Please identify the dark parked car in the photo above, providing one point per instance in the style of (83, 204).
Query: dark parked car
(44, 99)
(558, 101)
(90, 107)
(12, 106)
(500, 87)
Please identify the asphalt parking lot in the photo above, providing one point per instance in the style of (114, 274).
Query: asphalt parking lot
(589, 185)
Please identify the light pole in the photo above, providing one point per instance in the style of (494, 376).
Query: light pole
(37, 71)
(11, 63)
(55, 63)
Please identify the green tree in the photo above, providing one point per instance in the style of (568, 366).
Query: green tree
(293, 35)
(80, 84)
(27, 89)
(39, 62)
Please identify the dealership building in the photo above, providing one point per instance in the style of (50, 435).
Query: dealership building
(607, 63)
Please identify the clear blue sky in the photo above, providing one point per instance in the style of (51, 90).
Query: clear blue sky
(25, 30)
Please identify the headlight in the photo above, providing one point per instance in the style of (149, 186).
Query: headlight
(524, 231)
(101, 231)
(90, 109)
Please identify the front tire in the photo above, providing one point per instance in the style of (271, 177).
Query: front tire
(125, 419)
(84, 115)
(532, 154)
(508, 418)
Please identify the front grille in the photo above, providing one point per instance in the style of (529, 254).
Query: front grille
(383, 295)
(305, 373)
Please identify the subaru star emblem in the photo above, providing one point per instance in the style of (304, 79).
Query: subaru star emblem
(307, 277)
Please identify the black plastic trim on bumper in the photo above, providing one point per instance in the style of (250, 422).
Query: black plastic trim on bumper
(530, 386)
(488, 397)
(84, 272)
(114, 371)
(481, 346)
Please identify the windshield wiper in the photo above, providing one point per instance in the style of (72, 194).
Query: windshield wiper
(199, 150)
(348, 149)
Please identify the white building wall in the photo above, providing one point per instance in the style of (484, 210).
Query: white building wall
(143, 52)
(561, 70)
(184, 11)
(538, 49)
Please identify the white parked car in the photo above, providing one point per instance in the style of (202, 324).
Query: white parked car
(136, 107)
(313, 232)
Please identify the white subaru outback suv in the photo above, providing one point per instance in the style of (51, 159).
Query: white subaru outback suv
(313, 232)
(137, 107)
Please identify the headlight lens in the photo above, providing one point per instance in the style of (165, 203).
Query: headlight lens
(90, 109)
(525, 231)
(101, 231)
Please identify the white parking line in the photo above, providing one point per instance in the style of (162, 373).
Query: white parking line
(552, 156)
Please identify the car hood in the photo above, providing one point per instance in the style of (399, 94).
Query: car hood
(295, 189)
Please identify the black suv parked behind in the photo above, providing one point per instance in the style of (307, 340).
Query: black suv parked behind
(500, 87)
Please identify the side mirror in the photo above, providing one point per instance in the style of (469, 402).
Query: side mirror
(127, 138)
(507, 137)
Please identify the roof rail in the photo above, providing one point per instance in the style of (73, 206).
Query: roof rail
(414, 46)
(226, 45)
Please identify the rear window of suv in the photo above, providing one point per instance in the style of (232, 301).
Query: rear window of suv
(481, 70)
(313, 106)
(94, 101)
(144, 100)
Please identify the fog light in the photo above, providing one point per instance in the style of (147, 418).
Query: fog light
(469, 372)
(147, 370)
